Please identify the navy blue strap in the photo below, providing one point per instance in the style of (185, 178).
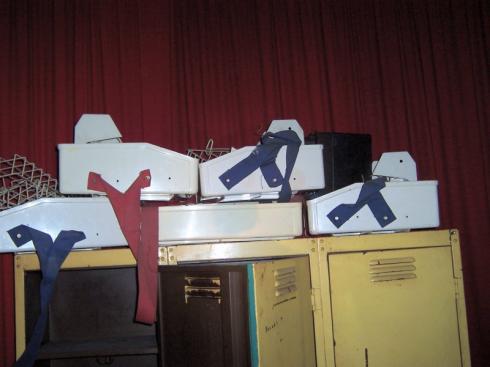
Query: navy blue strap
(370, 195)
(51, 256)
(264, 157)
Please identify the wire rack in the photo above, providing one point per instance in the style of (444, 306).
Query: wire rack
(22, 181)
(208, 153)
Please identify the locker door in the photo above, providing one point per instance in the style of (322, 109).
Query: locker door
(203, 316)
(394, 308)
(281, 317)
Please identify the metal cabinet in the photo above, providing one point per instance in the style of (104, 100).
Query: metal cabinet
(282, 313)
(203, 316)
(283, 318)
(253, 313)
(265, 285)
(394, 300)
(379, 300)
(91, 314)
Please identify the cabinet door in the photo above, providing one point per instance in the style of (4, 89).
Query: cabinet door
(203, 313)
(394, 308)
(281, 317)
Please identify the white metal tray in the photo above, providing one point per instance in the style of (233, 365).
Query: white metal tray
(120, 163)
(414, 204)
(307, 173)
(93, 216)
(228, 222)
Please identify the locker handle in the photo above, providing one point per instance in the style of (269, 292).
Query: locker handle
(395, 276)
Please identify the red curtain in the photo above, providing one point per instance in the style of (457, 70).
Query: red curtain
(413, 74)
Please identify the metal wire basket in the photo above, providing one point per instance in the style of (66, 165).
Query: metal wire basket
(208, 153)
(22, 181)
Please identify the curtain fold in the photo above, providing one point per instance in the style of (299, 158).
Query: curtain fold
(414, 74)
(7, 323)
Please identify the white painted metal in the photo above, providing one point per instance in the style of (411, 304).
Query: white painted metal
(93, 128)
(396, 165)
(307, 173)
(119, 164)
(415, 205)
(228, 222)
(93, 216)
(280, 125)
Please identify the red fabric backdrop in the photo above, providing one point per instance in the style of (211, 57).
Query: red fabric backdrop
(413, 74)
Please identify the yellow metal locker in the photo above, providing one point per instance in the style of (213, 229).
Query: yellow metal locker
(284, 279)
(281, 311)
(285, 299)
(379, 300)
(27, 262)
(394, 300)
(91, 313)
(241, 313)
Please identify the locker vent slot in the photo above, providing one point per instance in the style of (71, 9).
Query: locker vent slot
(382, 270)
(202, 287)
(284, 281)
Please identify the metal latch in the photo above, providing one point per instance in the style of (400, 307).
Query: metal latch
(316, 303)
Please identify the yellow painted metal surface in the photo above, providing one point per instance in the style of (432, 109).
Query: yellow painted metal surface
(318, 251)
(403, 315)
(75, 260)
(239, 250)
(460, 298)
(414, 316)
(284, 317)
(213, 252)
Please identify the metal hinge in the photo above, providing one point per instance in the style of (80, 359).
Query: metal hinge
(162, 256)
(166, 255)
(315, 299)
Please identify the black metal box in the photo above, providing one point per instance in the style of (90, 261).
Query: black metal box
(346, 159)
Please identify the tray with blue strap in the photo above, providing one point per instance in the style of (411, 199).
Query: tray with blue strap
(279, 165)
(93, 216)
(98, 148)
(393, 200)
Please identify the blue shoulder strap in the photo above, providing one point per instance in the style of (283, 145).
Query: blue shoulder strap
(370, 195)
(51, 256)
(264, 157)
